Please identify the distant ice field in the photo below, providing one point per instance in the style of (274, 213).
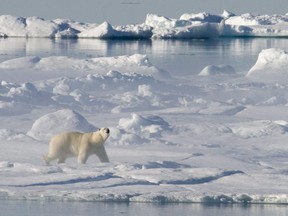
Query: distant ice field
(187, 26)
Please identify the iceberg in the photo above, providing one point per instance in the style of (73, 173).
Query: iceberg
(106, 31)
(167, 28)
(11, 26)
(251, 25)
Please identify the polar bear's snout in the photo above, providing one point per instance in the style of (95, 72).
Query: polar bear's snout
(106, 130)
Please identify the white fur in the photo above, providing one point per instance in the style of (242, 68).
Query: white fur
(81, 145)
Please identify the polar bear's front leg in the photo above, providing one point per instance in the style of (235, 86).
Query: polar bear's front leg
(82, 157)
(102, 155)
(48, 159)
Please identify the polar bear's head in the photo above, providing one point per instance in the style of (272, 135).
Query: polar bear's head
(105, 132)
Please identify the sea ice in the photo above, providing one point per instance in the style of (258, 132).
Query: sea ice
(216, 139)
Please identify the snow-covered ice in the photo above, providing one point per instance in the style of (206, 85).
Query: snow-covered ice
(62, 120)
(271, 66)
(217, 137)
(199, 25)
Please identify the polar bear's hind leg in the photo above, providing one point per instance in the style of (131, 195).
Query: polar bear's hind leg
(48, 159)
(61, 160)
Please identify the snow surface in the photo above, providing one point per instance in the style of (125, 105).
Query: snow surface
(217, 70)
(216, 139)
(199, 25)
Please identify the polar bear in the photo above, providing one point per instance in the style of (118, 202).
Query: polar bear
(82, 145)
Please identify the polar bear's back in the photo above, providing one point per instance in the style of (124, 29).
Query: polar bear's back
(68, 136)
(66, 142)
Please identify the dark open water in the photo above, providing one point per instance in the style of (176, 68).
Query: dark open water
(179, 57)
(38, 208)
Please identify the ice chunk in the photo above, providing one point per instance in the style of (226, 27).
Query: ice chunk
(217, 70)
(271, 65)
(13, 26)
(150, 125)
(164, 27)
(256, 25)
(202, 17)
(62, 120)
(105, 30)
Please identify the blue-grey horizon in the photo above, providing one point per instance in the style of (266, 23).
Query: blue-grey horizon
(133, 11)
